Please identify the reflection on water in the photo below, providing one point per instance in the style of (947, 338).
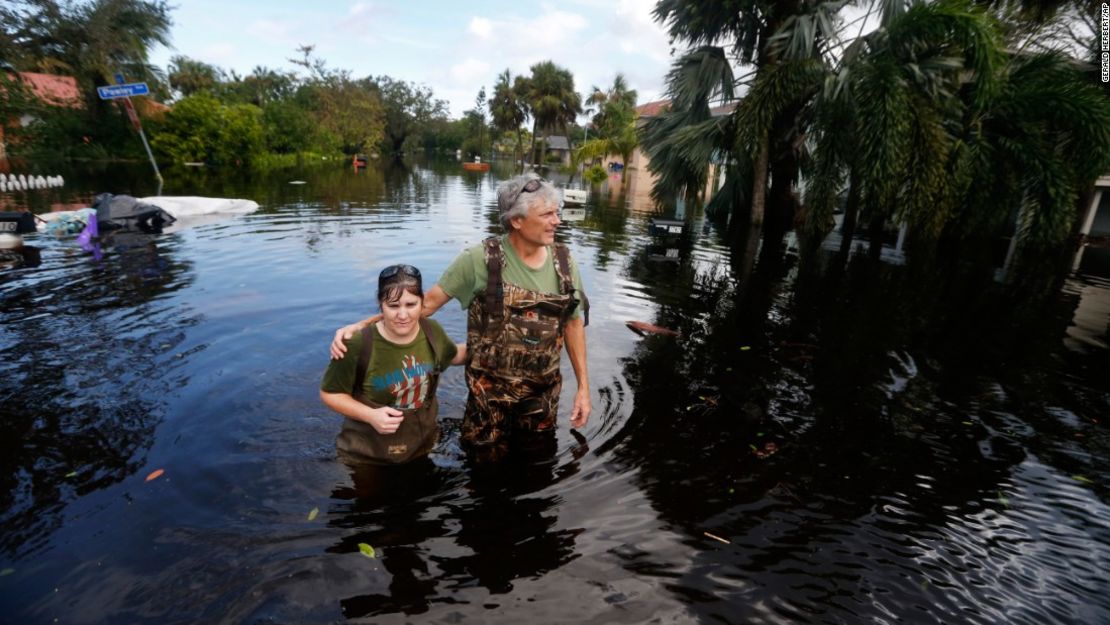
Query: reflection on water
(867, 443)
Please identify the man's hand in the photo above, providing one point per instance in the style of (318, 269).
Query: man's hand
(338, 347)
(582, 408)
(385, 420)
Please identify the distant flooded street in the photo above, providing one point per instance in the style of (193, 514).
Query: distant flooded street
(823, 443)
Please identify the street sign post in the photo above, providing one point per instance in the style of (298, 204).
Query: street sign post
(124, 91)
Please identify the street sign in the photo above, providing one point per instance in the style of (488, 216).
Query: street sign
(122, 91)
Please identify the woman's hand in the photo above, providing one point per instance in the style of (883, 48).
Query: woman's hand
(385, 420)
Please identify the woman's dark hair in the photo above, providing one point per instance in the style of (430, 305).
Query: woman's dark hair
(395, 280)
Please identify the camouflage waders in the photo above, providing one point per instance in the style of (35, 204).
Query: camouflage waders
(359, 443)
(514, 338)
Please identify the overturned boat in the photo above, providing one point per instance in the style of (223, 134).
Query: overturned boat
(148, 214)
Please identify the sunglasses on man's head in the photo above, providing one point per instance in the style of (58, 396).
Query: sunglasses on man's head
(531, 186)
(393, 270)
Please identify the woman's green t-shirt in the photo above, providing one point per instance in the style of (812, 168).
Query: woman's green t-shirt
(397, 375)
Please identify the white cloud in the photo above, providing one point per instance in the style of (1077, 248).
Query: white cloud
(470, 72)
(270, 29)
(480, 27)
(637, 32)
(360, 8)
(217, 53)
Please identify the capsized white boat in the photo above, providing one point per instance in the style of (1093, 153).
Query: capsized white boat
(185, 210)
(191, 210)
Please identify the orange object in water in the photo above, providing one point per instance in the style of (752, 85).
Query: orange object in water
(155, 474)
(643, 328)
(476, 166)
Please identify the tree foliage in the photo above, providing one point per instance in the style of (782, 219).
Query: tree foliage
(408, 108)
(949, 116)
(202, 129)
(552, 101)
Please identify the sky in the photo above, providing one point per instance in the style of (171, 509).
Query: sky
(455, 48)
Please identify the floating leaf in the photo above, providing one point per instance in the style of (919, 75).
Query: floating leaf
(967, 423)
(155, 474)
(312, 514)
(367, 550)
(6, 572)
(71, 474)
(1080, 478)
(745, 348)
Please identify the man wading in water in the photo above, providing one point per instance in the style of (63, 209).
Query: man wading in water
(524, 299)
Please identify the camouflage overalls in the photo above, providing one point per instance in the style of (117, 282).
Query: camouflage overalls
(514, 338)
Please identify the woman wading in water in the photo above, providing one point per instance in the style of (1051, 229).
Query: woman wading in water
(386, 382)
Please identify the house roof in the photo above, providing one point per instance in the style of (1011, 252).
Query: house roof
(52, 89)
(724, 109)
(557, 142)
(652, 109)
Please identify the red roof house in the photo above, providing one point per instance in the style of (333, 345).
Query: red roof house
(52, 89)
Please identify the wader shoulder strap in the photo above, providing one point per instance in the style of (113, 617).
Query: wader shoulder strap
(566, 279)
(495, 288)
(427, 328)
(562, 267)
(363, 361)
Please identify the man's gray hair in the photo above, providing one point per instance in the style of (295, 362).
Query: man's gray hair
(513, 201)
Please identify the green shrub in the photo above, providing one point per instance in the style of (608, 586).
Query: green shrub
(595, 175)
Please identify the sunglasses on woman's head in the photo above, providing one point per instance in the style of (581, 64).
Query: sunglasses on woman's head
(393, 270)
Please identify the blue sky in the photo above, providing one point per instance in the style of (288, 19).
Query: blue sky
(453, 47)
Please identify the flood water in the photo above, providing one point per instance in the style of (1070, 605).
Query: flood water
(914, 444)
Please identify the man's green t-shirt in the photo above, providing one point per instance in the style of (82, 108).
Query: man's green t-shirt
(397, 375)
(466, 278)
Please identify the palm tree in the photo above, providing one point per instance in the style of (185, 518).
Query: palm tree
(552, 100)
(614, 107)
(188, 76)
(934, 125)
(786, 42)
(508, 108)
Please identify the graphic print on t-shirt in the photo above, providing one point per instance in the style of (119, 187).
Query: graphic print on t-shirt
(408, 385)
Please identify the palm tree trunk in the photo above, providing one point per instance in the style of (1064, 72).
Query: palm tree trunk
(851, 211)
(519, 148)
(759, 186)
(532, 153)
(875, 251)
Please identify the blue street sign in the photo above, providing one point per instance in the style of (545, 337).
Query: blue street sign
(122, 91)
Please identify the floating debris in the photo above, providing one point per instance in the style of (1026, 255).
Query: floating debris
(157, 473)
(367, 550)
(312, 514)
(643, 328)
(717, 538)
(297, 182)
